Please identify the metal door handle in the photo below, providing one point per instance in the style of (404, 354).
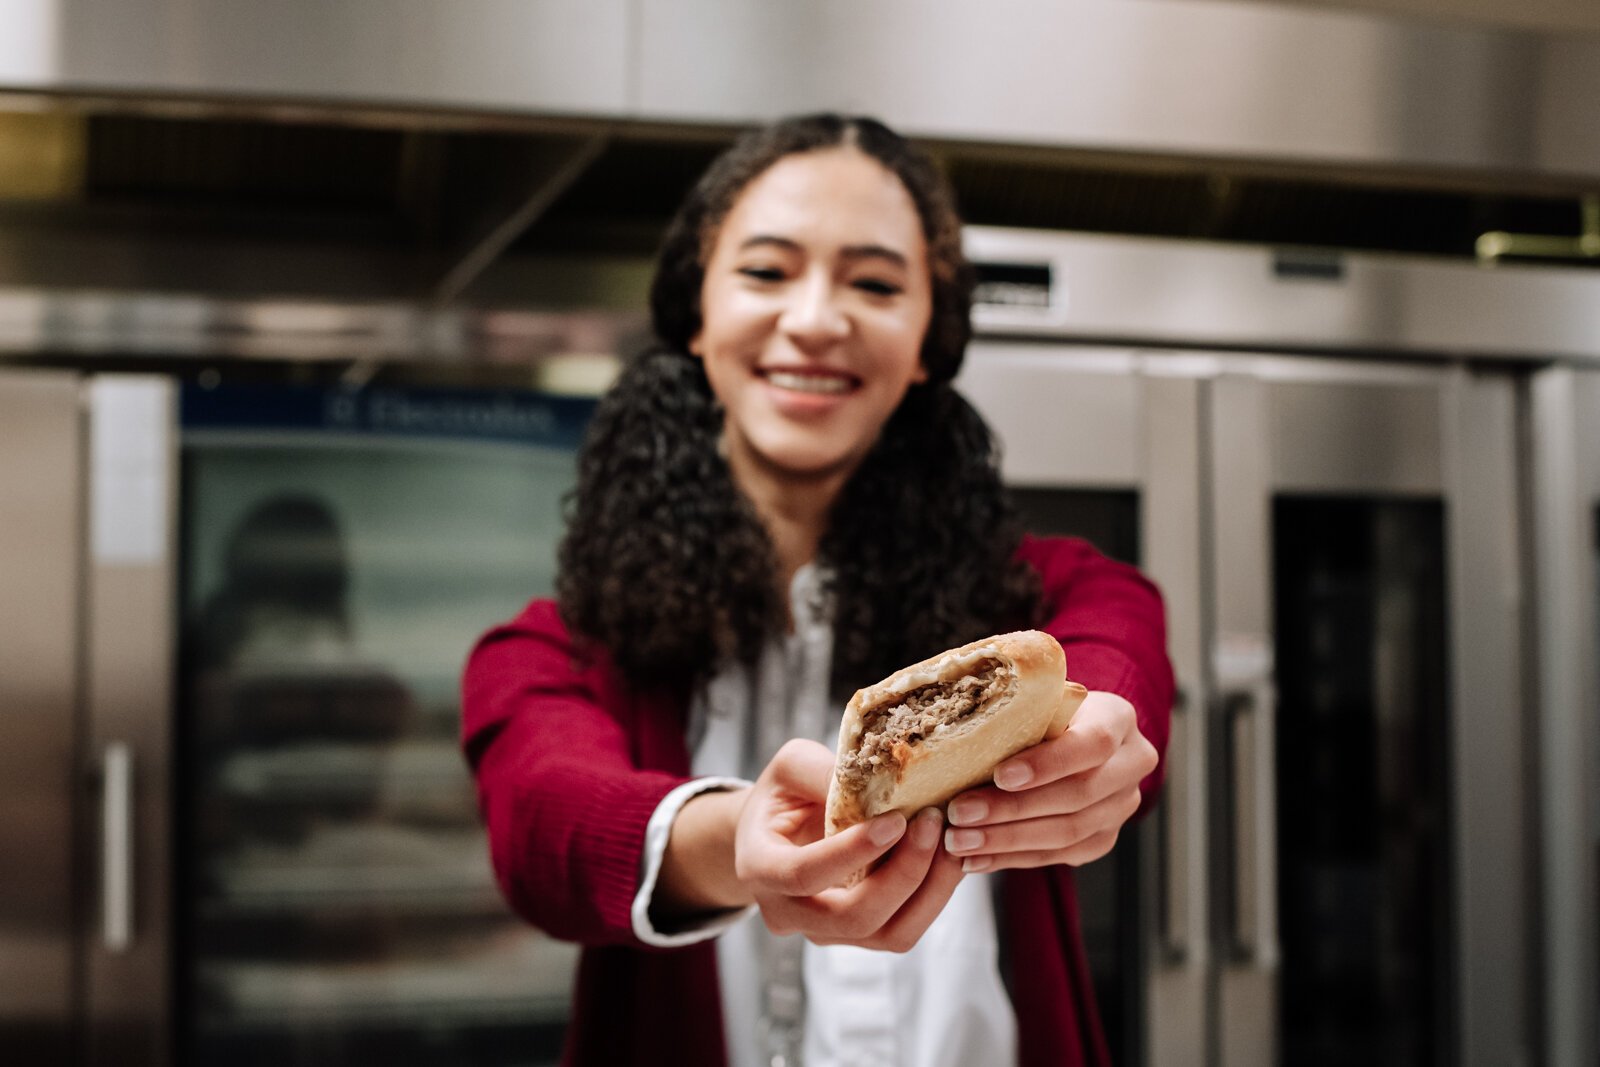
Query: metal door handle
(1174, 836)
(1240, 717)
(117, 847)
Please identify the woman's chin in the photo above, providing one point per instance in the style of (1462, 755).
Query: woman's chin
(809, 461)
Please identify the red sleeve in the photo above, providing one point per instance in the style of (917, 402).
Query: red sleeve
(1111, 624)
(552, 747)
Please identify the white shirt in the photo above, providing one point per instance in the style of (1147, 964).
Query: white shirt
(940, 1005)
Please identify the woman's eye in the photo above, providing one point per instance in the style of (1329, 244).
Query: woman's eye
(877, 286)
(762, 274)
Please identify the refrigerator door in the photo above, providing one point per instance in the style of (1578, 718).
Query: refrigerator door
(1366, 729)
(342, 551)
(41, 471)
(1103, 444)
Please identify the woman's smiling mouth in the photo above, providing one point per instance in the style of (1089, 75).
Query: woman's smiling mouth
(807, 382)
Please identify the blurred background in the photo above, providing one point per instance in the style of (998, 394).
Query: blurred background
(303, 310)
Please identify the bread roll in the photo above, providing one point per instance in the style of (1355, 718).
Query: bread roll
(934, 729)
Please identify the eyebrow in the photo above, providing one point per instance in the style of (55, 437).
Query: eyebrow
(867, 251)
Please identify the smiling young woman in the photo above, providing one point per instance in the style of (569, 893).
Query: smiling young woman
(816, 299)
(672, 567)
(815, 303)
(785, 500)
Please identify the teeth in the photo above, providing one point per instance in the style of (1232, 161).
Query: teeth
(807, 383)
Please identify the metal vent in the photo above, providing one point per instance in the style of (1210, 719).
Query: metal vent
(391, 206)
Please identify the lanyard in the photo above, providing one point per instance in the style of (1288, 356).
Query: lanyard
(781, 1028)
(789, 698)
(753, 709)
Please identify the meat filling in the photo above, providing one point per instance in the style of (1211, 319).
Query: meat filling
(889, 730)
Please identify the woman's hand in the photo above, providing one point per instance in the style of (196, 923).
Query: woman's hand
(794, 873)
(1063, 801)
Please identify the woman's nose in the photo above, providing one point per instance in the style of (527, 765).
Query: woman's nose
(813, 314)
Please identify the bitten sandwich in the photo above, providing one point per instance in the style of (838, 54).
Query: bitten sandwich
(941, 726)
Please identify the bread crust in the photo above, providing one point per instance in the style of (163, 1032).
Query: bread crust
(1038, 703)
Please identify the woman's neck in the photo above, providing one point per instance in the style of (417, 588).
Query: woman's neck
(794, 508)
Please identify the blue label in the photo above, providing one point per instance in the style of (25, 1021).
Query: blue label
(450, 414)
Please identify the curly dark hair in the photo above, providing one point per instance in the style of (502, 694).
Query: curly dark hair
(665, 564)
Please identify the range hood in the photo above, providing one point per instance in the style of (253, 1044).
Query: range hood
(495, 175)
(1247, 80)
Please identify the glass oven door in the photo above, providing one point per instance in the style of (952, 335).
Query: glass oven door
(341, 551)
(1366, 730)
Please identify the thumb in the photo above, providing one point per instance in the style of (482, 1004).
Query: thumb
(801, 767)
(781, 866)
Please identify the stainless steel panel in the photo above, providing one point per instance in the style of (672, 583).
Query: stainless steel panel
(40, 478)
(1262, 80)
(162, 325)
(1575, 1032)
(1570, 15)
(128, 637)
(1569, 83)
(1230, 79)
(1565, 413)
(1238, 425)
(1063, 416)
(548, 55)
(1189, 293)
(1487, 750)
(1131, 289)
(1330, 437)
(1176, 1019)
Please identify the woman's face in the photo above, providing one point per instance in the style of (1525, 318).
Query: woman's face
(816, 299)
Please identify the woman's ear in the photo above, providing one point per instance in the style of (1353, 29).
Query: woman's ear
(695, 345)
(920, 377)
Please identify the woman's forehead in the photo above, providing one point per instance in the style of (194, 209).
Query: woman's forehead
(832, 196)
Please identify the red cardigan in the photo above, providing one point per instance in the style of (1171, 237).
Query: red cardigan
(566, 834)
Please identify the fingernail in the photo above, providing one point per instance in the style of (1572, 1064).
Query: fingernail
(977, 864)
(963, 840)
(886, 828)
(967, 809)
(1012, 775)
(925, 834)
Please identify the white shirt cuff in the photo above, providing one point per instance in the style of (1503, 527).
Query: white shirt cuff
(656, 833)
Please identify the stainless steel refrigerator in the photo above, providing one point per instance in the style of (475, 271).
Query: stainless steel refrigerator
(239, 824)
